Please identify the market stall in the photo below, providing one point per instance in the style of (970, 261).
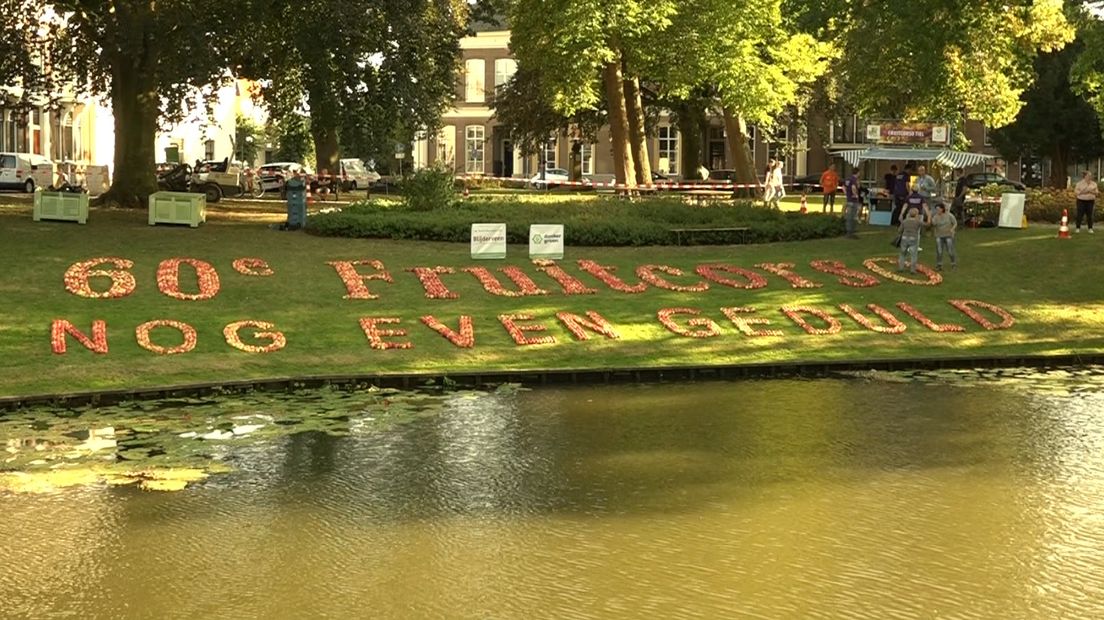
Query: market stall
(880, 204)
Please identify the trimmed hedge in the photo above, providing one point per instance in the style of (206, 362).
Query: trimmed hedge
(1043, 204)
(602, 222)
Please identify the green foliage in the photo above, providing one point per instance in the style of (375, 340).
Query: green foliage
(291, 135)
(569, 41)
(1055, 121)
(523, 109)
(1046, 204)
(247, 138)
(744, 52)
(935, 58)
(430, 189)
(604, 222)
(365, 71)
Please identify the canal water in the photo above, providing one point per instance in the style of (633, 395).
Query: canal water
(873, 495)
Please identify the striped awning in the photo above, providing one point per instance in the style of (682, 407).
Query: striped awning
(947, 157)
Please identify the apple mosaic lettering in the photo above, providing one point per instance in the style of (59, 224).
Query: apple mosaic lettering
(195, 280)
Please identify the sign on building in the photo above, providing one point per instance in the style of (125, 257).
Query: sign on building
(488, 241)
(907, 133)
(546, 241)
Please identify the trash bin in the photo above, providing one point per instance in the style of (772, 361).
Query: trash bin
(296, 191)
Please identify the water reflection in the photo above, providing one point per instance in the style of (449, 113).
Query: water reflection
(871, 496)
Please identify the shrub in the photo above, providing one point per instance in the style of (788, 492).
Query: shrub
(1046, 204)
(596, 222)
(429, 189)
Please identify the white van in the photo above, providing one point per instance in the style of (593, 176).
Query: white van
(354, 175)
(25, 171)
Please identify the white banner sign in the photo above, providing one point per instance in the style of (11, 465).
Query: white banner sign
(546, 241)
(488, 241)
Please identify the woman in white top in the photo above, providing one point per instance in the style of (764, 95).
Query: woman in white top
(775, 184)
(1086, 191)
(768, 186)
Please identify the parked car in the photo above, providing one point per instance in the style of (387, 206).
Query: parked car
(722, 176)
(552, 177)
(25, 171)
(355, 175)
(274, 174)
(807, 182)
(978, 180)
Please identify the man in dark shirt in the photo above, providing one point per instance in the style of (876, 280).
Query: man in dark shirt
(959, 203)
(900, 194)
(891, 179)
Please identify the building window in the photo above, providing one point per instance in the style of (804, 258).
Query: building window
(846, 130)
(474, 149)
(19, 132)
(446, 145)
(505, 68)
(4, 131)
(36, 132)
(475, 80)
(986, 139)
(586, 158)
(668, 150)
(550, 154)
(209, 150)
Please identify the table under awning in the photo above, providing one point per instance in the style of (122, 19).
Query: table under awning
(947, 157)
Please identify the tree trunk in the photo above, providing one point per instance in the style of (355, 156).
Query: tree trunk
(136, 107)
(691, 147)
(1059, 167)
(634, 109)
(619, 125)
(325, 148)
(743, 164)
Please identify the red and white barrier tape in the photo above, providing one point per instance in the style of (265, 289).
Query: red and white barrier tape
(614, 184)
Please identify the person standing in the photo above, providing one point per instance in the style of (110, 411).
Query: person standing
(778, 188)
(900, 195)
(959, 205)
(768, 188)
(852, 191)
(945, 225)
(891, 179)
(926, 185)
(829, 183)
(909, 228)
(1086, 190)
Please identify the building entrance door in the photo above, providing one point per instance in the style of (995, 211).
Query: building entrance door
(507, 158)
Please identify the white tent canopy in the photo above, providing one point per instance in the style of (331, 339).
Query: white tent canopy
(947, 157)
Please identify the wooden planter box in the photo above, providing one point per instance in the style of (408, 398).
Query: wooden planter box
(68, 206)
(177, 208)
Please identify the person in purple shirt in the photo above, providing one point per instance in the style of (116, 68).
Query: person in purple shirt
(900, 194)
(852, 191)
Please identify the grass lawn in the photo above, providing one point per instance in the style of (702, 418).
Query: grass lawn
(1053, 288)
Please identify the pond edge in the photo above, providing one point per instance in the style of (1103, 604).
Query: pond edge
(558, 376)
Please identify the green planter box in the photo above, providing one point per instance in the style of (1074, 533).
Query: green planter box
(177, 208)
(68, 206)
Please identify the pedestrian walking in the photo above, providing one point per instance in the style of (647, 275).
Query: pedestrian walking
(829, 183)
(945, 226)
(1086, 190)
(909, 230)
(777, 188)
(768, 187)
(852, 191)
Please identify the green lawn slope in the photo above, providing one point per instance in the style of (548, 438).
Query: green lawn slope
(1054, 289)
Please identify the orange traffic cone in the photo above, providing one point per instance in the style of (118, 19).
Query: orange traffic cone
(1063, 228)
(804, 204)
